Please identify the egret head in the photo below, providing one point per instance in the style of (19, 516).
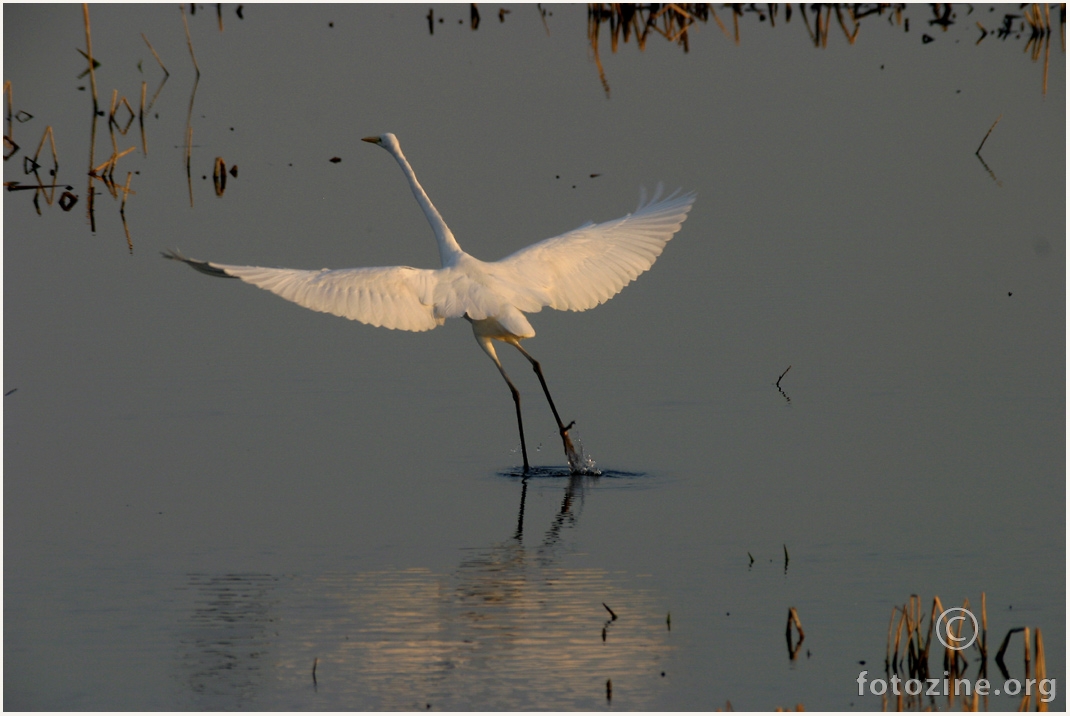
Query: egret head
(386, 141)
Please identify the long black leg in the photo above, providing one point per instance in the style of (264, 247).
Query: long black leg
(574, 458)
(519, 418)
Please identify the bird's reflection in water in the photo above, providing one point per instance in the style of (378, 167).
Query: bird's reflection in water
(511, 627)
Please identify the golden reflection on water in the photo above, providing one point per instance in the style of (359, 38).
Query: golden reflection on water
(509, 628)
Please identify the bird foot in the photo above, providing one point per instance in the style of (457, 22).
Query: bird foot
(574, 457)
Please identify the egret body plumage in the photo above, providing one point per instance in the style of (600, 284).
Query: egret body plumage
(575, 271)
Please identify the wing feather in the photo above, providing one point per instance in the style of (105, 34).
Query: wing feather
(587, 266)
(392, 296)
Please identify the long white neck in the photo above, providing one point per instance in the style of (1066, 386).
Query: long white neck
(448, 248)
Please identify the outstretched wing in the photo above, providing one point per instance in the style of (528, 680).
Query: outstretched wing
(392, 296)
(589, 265)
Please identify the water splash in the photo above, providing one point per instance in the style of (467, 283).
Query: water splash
(580, 462)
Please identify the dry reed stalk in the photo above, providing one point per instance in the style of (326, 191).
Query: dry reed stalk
(592, 35)
(851, 36)
(793, 618)
(914, 627)
(1027, 660)
(48, 190)
(958, 636)
(719, 23)
(219, 180)
(52, 141)
(111, 117)
(9, 135)
(1042, 668)
(899, 633)
(189, 42)
(122, 212)
(166, 74)
(89, 56)
(153, 51)
(1047, 61)
(108, 167)
(793, 648)
(983, 641)
(123, 101)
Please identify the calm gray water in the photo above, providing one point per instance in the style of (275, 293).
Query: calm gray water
(208, 490)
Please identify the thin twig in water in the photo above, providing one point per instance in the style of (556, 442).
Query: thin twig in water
(978, 152)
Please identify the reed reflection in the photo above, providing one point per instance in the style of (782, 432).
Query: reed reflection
(511, 627)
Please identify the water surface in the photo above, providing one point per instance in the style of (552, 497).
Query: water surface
(209, 490)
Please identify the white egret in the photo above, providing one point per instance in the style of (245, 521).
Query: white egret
(575, 271)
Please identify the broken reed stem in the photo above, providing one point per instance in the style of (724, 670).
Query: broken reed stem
(153, 51)
(52, 140)
(793, 618)
(109, 166)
